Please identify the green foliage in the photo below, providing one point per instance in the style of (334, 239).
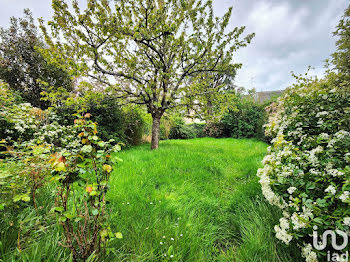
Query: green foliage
(198, 129)
(218, 91)
(109, 116)
(22, 65)
(340, 58)
(180, 130)
(159, 51)
(214, 129)
(122, 123)
(26, 171)
(307, 170)
(245, 120)
(18, 120)
(134, 125)
(40, 150)
(82, 173)
(210, 204)
(208, 200)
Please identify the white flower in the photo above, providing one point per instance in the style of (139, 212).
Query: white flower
(171, 256)
(331, 189)
(284, 223)
(283, 235)
(323, 113)
(345, 196)
(151, 203)
(161, 243)
(310, 256)
(341, 134)
(181, 235)
(346, 221)
(163, 236)
(268, 159)
(291, 190)
(172, 239)
(334, 172)
(323, 136)
(297, 222)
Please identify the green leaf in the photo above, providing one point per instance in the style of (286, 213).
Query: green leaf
(62, 219)
(20, 197)
(57, 209)
(117, 148)
(93, 193)
(60, 167)
(26, 198)
(94, 212)
(107, 168)
(104, 233)
(68, 215)
(119, 235)
(76, 220)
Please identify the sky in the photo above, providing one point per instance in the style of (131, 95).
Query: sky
(290, 35)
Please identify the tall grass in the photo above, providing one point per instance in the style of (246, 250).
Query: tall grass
(191, 200)
(204, 194)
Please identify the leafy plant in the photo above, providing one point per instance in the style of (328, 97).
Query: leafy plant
(180, 130)
(23, 66)
(147, 45)
(214, 129)
(82, 173)
(245, 120)
(307, 170)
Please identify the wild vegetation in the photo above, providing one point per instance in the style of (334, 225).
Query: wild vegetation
(198, 209)
(307, 168)
(83, 99)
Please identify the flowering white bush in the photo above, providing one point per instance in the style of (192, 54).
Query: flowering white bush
(19, 121)
(306, 172)
(21, 124)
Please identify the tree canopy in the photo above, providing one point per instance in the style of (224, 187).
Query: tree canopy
(22, 65)
(341, 57)
(153, 52)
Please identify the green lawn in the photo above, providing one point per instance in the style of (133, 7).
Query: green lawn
(195, 200)
(191, 200)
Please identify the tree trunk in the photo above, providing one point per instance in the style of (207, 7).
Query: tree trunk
(155, 132)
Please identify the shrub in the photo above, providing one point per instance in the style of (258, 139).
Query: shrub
(133, 125)
(307, 170)
(245, 121)
(198, 129)
(180, 130)
(214, 129)
(166, 123)
(23, 173)
(19, 121)
(28, 136)
(23, 67)
(82, 173)
(124, 124)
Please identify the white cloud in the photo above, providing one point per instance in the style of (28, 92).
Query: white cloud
(290, 36)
